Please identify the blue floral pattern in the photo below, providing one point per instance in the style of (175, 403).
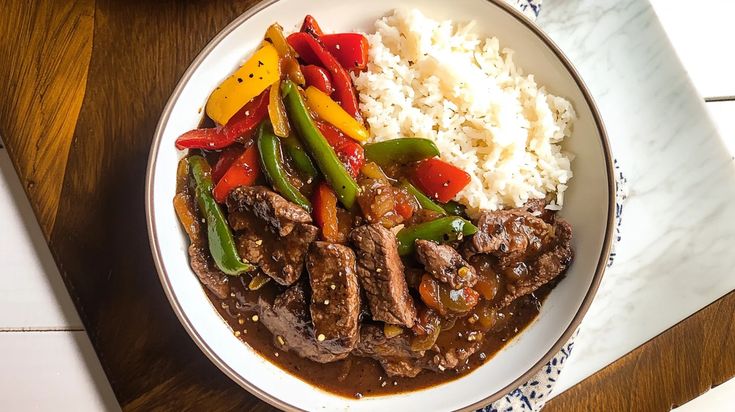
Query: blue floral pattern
(532, 395)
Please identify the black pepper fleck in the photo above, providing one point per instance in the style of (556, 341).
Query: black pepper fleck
(239, 79)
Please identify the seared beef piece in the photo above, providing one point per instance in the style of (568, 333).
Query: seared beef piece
(554, 259)
(537, 207)
(445, 264)
(451, 358)
(335, 296)
(200, 258)
(282, 215)
(274, 243)
(511, 235)
(394, 354)
(202, 264)
(381, 275)
(288, 320)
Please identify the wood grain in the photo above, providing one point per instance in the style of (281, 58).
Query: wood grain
(82, 91)
(665, 372)
(47, 45)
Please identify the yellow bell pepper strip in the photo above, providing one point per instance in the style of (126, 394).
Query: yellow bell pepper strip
(329, 111)
(250, 80)
(277, 112)
(289, 63)
(326, 159)
(221, 243)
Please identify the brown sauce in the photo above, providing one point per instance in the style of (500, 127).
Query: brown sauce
(355, 376)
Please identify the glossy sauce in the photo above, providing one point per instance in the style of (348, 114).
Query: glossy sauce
(354, 376)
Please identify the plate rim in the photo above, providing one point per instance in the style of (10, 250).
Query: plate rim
(275, 401)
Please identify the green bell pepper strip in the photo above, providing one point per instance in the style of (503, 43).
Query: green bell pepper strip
(453, 208)
(439, 230)
(301, 160)
(402, 150)
(219, 236)
(423, 200)
(326, 159)
(269, 147)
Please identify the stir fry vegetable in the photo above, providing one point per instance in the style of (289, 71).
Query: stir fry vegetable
(325, 213)
(403, 150)
(439, 179)
(329, 111)
(350, 49)
(243, 172)
(349, 151)
(250, 80)
(313, 52)
(287, 54)
(326, 159)
(443, 299)
(423, 200)
(277, 112)
(221, 243)
(311, 26)
(317, 77)
(240, 125)
(439, 230)
(225, 160)
(182, 201)
(301, 161)
(454, 208)
(269, 148)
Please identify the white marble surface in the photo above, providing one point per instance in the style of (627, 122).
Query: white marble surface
(677, 229)
(653, 114)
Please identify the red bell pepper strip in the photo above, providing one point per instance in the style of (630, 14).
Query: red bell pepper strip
(311, 26)
(225, 160)
(324, 203)
(307, 45)
(350, 49)
(317, 77)
(243, 172)
(216, 138)
(349, 151)
(439, 179)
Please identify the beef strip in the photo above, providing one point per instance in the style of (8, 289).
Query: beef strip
(288, 320)
(279, 213)
(394, 354)
(203, 265)
(200, 258)
(335, 296)
(554, 259)
(261, 240)
(445, 264)
(511, 235)
(380, 271)
(537, 207)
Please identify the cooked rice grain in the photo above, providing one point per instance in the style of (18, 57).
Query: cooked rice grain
(438, 80)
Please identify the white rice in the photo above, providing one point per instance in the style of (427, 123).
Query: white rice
(438, 80)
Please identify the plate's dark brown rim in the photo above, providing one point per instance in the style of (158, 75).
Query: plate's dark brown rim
(163, 275)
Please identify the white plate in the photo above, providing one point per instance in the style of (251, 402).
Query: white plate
(589, 206)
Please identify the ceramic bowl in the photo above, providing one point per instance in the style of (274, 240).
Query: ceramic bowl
(589, 206)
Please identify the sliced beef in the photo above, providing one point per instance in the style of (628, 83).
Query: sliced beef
(202, 264)
(335, 296)
(394, 354)
(526, 277)
(381, 276)
(269, 238)
(282, 215)
(511, 235)
(289, 322)
(445, 264)
(537, 207)
(200, 258)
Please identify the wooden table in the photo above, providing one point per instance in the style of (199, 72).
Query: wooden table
(80, 103)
